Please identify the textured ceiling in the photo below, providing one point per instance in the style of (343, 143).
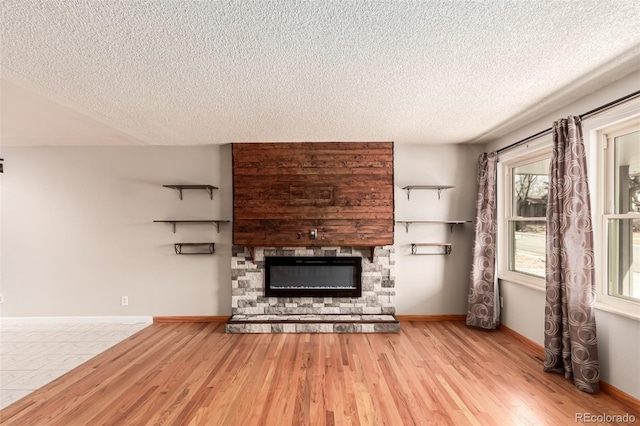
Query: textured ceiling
(185, 72)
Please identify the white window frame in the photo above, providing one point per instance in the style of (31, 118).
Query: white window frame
(604, 211)
(536, 150)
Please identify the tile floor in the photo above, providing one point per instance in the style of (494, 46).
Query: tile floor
(34, 354)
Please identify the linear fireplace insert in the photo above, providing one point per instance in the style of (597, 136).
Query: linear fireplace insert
(313, 276)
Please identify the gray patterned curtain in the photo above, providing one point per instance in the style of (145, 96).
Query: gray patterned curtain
(570, 326)
(483, 311)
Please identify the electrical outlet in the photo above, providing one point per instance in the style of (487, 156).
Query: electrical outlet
(502, 302)
(1, 298)
(125, 300)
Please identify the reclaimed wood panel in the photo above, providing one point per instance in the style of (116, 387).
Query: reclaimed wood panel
(283, 190)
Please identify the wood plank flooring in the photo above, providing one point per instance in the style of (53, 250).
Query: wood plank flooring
(431, 373)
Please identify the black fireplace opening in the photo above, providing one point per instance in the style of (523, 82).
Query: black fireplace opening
(313, 277)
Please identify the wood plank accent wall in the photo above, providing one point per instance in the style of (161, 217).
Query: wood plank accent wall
(283, 190)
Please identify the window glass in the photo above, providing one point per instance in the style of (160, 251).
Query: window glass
(624, 258)
(626, 173)
(530, 188)
(528, 245)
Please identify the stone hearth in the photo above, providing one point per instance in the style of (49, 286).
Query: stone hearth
(313, 324)
(373, 312)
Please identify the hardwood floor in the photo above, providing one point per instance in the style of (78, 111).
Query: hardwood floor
(431, 373)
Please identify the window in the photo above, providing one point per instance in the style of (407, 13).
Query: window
(612, 140)
(524, 184)
(622, 213)
(527, 222)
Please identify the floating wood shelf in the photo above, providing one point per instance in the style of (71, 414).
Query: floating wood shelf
(174, 222)
(209, 247)
(252, 252)
(446, 247)
(438, 188)
(451, 223)
(180, 188)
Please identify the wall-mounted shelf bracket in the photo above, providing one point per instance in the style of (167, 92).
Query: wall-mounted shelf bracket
(445, 246)
(451, 223)
(209, 248)
(438, 188)
(174, 222)
(180, 188)
(406, 226)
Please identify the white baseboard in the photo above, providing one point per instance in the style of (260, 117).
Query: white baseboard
(55, 320)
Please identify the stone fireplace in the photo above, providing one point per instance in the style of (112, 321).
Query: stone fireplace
(254, 312)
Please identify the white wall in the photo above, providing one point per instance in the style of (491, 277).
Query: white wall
(618, 336)
(434, 284)
(78, 231)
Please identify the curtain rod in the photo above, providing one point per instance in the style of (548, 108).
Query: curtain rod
(582, 116)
